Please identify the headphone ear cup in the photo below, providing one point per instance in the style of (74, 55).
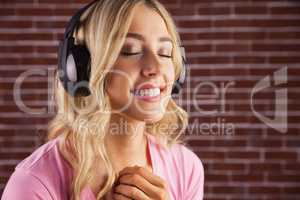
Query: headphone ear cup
(176, 88)
(82, 61)
(78, 70)
(180, 81)
(178, 85)
(74, 67)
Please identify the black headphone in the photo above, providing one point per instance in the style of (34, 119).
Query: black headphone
(74, 61)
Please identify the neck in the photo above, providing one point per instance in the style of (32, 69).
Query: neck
(125, 135)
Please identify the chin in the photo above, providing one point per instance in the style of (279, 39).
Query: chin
(150, 118)
(153, 119)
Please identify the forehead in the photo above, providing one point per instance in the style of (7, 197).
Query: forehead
(148, 22)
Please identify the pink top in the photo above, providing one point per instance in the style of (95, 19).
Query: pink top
(46, 175)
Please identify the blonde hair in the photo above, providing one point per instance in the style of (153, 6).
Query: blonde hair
(82, 127)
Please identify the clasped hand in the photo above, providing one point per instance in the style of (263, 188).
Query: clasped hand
(138, 183)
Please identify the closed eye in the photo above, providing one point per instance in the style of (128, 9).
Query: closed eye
(132, 54)
(165, 56)
(129, 54)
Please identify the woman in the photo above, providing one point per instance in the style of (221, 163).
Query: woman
(119, 142)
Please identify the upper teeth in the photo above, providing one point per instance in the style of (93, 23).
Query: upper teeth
(148, 92)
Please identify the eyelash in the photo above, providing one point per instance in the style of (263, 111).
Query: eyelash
(132, 54)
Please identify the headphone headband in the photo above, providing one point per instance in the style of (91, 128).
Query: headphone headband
(75, 20)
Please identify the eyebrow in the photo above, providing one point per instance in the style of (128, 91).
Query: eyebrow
(140, 37)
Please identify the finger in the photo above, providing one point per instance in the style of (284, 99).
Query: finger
(141, 183)
(152, 178)
(120, 197)
(130, 192)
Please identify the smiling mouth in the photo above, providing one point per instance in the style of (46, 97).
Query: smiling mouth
(150, 94)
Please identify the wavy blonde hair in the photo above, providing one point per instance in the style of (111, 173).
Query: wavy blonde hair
(82, 121)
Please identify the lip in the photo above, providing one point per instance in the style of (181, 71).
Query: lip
(146, 86)
(148, 98)
(149, 86)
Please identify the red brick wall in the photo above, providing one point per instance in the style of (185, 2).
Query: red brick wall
(230, 44)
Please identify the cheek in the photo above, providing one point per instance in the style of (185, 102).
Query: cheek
(118, 91)
(119, 83)
(123, 72)
(170, 73)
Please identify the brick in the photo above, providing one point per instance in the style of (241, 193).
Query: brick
(216, 178)
(229, 143)
(46, 49)
(260, 168)
(29, 132)
(285, 10)
(215, 35)
(228, 167)
(284, 59)
(188, 36)
(293, 143)
(228, 189)
(249, 35)
(183, 11)
(195, 24)
(6, 168)
(17, 49)
(276, 47)
(7, 144)
(4, 179)
(168, 2)
(291, 132)
(249, 59)
(243, 155)
(211, 154)
(232, 48)
(195, 1)
(292, 167)
(33, 12)
(25, 97)
(284, 178)
(50, 24)
(268, 142)
(247, 107)
(212, 59)
(213, 11)
(284, 35)
(6, 11)
(64, 2)
(253, 10)
(200, 143)
(28, 61)
(10, 86)
(17, 1)
(23, 121)
(257, 23)
(12, 155)
(265, 190)
(25, 36)
(281, 155)
(291, 189)
(16, 24)
(64, 12)
(247, 178)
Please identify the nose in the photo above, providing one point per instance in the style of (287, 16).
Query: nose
(151, 65)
